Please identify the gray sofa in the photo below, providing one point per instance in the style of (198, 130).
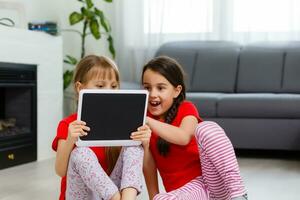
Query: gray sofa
(252, 91)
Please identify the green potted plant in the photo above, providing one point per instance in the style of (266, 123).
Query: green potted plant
(94, 23)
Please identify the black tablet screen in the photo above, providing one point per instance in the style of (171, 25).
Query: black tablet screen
(112, 116)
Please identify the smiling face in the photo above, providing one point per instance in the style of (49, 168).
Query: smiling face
(161, 93)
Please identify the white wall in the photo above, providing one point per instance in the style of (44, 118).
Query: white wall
(59, 11)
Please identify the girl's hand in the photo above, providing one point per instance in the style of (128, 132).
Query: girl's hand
(77, 129)
(142, 134)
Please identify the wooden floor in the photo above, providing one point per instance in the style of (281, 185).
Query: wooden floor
(265, 179)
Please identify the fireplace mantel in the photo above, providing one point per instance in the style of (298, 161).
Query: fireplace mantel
(45, 51)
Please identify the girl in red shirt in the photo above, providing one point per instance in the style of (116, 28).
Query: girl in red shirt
(195, 159)
(98, 172)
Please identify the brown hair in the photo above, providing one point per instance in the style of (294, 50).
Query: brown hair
(173, 72)
(92, 65)
(89, 67)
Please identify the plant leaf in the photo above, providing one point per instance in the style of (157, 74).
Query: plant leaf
(75, 17)
(89, 3)
(94, 27)
(68, 76)
(67, 61)
(111, 46)
(70, 60)
(108, 1)
(88, 13)
(104, 22)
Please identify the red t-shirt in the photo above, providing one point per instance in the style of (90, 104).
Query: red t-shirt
(62, 133)
(182, 163)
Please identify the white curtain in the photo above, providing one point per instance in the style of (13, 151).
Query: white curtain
(143, 25)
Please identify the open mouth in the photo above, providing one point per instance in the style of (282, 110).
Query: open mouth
(154, 103)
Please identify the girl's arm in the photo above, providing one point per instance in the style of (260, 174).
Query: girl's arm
(65, 147)
(181, 135)
(150, 174)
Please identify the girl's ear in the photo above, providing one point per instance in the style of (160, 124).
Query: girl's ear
(177, 91)
(78, 86)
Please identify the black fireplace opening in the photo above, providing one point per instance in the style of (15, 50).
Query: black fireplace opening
(18, 114)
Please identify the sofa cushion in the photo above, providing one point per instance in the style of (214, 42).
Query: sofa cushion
(216, 69)
(259, 106)
(291, 77)
(269, 134)
(182, 54)
(260, 69)
(216, 62)
(206, 103)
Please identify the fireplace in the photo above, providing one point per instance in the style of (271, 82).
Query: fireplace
(18, 114)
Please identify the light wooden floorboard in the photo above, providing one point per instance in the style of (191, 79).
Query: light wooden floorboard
(274, 179)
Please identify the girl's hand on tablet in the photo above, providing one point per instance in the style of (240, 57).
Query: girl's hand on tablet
(77, 129)
(142, 134)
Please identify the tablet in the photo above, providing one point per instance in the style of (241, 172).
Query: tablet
(112, 116)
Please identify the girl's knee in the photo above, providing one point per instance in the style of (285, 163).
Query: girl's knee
(77, 151)
(137, 151)
(205, 129)
(207, 125)
(79, 154)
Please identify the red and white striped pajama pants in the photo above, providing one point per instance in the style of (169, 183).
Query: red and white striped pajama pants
(220, 178)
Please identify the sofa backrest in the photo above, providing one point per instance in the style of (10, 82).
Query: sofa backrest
(269, 67)
(211, 66)
(216, 67)
(291, 73)
(260, 68)
(221, 66)
(185, 53)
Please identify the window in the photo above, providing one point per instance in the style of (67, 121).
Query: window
(220, 16)
(266, 15)
(177, 16)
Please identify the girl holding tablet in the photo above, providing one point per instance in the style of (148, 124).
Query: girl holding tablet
(96, 172)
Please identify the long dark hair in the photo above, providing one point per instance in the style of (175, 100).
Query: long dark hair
(173, 72)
